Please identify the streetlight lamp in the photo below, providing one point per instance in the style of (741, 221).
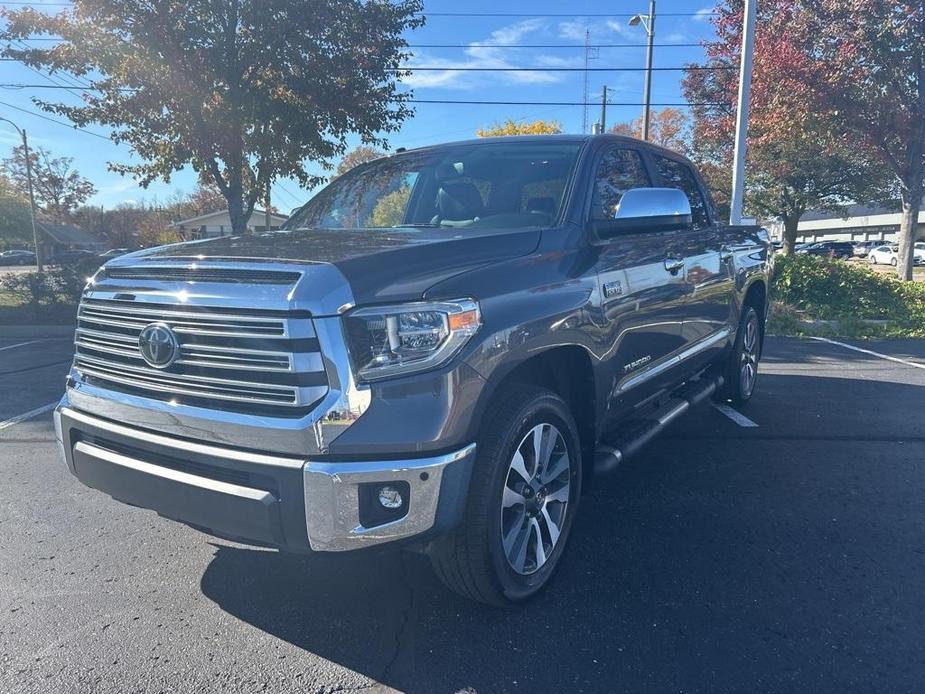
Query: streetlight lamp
(648, 23)
(35, 233)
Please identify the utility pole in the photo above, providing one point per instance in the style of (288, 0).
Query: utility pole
(591, 53)
(604, 110)
(35, 233)
(745, 88)
(648, 23)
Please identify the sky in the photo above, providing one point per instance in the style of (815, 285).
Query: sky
(494, 41)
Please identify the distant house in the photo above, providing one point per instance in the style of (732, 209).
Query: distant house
(859, 223)
(219, 224)
(59, 238)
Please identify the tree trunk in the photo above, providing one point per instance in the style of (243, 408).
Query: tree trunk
(790, 232)
(908, 228)
(236, 213)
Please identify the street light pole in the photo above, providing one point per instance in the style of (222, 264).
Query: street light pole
(741, 132)
(35, 233)
(648, 23)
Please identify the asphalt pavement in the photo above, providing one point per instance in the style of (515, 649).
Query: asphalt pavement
(781, 557)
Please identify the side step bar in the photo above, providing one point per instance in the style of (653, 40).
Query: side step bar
(636, 433)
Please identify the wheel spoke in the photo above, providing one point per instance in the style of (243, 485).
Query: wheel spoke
(551, 528)
(539, 551)
(560, 494)
(515, 546)
(518, 466)
(538, 438)
(511, 498)
(555, 469)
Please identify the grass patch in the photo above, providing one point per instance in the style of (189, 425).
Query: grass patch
(827, 297)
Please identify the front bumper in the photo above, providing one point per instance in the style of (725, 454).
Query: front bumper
(294, 503)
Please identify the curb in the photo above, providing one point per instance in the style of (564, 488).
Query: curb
(27, 331)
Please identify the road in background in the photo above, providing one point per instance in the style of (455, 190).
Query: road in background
(781, 557)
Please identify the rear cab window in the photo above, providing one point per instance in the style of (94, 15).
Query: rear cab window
(675, 174)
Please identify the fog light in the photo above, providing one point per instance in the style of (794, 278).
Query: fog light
(390, 498)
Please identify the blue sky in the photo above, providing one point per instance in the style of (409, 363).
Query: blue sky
(483, 38)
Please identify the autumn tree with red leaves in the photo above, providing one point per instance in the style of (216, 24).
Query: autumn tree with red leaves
(796, 159)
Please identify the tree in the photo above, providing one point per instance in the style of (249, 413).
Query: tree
(868, 70)
(796, 161)
(244, 91)
(356, 156)
(15, 222)
(59, 189)
(511, 127)
(668, 127)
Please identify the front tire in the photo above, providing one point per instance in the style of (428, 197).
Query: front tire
(522, 501)
(740, 372)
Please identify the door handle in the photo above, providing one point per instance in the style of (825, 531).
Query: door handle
(674, 264)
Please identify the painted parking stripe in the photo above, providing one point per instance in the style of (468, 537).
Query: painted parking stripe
(734, 415)
(21, 344)
(28, 415)
(898, 360)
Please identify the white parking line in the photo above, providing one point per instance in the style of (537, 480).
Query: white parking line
(28, 415)
(21, 344)
(870, 352)
(734, 415)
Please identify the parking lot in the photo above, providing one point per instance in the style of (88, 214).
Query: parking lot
(779, 552)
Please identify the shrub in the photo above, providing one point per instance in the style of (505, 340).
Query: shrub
(831, 289)
(61, 286)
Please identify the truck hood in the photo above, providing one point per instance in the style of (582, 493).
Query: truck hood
(380, 266)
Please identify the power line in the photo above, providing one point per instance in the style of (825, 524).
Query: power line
(542, 45)
(558, 103)
(55, 120)
(570, 15)
(559, 69)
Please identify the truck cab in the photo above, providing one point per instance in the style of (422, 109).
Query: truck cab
(437, 352)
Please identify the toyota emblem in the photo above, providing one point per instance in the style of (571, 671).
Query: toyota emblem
(158, 345)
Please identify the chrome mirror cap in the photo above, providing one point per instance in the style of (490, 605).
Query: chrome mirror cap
(638, 203)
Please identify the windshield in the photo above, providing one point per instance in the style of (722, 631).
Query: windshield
(493, 185)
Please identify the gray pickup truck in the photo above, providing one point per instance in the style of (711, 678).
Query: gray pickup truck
(438, 352)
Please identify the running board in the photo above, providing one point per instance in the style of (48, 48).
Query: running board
(637, 432)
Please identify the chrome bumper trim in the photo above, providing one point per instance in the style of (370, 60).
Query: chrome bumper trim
(332, 499)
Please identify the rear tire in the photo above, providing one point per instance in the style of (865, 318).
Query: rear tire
(893, 262)
(522, 501)
(740, 372)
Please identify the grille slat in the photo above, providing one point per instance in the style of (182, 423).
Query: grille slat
(237, 359)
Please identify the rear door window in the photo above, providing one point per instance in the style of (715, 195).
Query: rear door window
(674, 174)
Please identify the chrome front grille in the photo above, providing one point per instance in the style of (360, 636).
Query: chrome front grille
(237, 359)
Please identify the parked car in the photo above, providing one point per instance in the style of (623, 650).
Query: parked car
(863, 248)
(114, 253)
(17, 258)
(72, 256)
(832, 249)
(889, 255)
(440, 352)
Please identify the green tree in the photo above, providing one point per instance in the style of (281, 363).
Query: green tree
(356, 156)
(512, 127)
(796, 161)
(59, 189)
(15, 222)
(244, 91)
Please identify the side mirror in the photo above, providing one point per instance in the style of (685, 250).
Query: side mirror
(643, 210)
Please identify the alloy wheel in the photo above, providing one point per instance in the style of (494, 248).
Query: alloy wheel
(748, 366)
(535, 499)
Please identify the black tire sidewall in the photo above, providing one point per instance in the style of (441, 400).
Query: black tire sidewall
(548, 408)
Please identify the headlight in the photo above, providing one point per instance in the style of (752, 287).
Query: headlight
(388, 341)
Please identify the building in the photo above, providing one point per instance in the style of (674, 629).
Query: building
(60, 238)
(860, 223)
(218, 223)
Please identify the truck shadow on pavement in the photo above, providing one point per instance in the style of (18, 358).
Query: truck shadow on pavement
(718, 559)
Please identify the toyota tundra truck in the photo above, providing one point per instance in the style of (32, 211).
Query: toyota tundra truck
(438, 352)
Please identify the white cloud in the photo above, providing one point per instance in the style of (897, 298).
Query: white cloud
(487, 53)
(575, 30)
(704, 14)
